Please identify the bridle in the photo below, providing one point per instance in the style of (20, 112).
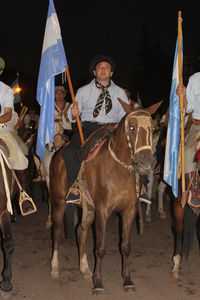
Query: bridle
(144, 122)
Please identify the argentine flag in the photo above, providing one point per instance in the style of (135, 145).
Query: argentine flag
(173, 132)
(53, 62)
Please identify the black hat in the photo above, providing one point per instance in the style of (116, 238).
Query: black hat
(100, 58)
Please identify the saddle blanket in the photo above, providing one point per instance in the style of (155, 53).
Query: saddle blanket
(11, 151)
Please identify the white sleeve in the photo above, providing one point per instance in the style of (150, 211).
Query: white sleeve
(79, 100)
(8, 99)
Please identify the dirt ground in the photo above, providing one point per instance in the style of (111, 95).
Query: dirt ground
(150, 263)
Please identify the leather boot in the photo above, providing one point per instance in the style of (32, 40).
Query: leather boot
(26, 203)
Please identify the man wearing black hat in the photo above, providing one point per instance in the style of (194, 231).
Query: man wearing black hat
(96, 104)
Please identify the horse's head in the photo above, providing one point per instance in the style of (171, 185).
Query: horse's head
(138, 129)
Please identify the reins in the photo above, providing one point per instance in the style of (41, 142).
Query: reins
(145, 123)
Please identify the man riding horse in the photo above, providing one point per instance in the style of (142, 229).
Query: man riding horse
(97, 104)
(17, 159)
(191, 101)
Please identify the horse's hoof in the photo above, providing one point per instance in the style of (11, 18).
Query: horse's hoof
(98, 291)
(162, 215)
(5, 295)
(87, 276)
(130, 287)
(48, 224)
(148, 219)
(54, 274)
(176, 274)
(5, 286)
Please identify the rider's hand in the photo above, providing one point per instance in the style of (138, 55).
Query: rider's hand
(57, 120)
(181, 90)
(75, 111)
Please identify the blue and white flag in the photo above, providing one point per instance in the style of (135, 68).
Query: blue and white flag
(173, 132)
(53, 62)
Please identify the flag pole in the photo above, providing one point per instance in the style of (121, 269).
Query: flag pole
(74, 104)
(181, 105)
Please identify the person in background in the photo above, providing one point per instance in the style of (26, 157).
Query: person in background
(62, 127)
(17, 159)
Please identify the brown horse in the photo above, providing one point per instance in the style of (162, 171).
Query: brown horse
(186, 222)
(7, 190)
(111, 178)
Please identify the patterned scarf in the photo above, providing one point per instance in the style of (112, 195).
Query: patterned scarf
(104, 95)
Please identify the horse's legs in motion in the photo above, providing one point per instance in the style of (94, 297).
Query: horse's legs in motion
(82, 239)
(161, 189)
(127, 220)
(8, 247)
(100, 222)
(58, 214)
(178, 215)
(150, 194)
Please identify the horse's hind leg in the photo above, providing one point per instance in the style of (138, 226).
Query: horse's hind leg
(161, 189)
(100, 222)
(178, 230)
(8, 247)
(58, 214)
(82, 238)
(127, 220)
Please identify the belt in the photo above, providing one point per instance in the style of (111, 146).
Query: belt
(195, 121)
(94, 123)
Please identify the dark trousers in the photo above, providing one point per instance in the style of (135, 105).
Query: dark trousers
(71, 152)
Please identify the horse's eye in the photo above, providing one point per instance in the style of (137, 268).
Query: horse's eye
(132, 128)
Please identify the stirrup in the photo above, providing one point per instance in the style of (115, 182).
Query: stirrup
(25, 197)
(71, 198)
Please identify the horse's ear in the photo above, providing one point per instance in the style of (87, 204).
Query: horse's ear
(153, 108)
(127, 107)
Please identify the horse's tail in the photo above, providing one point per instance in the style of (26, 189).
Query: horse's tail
(189, 229)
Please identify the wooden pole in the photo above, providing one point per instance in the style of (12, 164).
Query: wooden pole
(181, 99)
(74, 104)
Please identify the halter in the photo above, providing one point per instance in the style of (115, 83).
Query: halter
(142, 122)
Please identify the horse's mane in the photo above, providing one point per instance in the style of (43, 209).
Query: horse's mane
(103, 133)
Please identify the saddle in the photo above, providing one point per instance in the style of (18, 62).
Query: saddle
(95, 139)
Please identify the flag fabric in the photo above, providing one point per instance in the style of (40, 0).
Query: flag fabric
(53, 62)
(173, 131)
(16, 91)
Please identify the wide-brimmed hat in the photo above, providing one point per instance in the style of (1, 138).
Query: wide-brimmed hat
(2, 63)
(100, 58)
(60, 88)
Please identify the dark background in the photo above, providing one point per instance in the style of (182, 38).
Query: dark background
(139, 35)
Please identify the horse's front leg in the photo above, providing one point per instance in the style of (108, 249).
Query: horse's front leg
(8, 247)
(178, 230)
(57, 216)
(150, 195)
(127, 220)
(82, 238)
(100, 221)
(161, 189)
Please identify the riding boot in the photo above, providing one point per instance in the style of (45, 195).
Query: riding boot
(26, 203)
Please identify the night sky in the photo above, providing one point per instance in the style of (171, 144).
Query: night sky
(89, 28)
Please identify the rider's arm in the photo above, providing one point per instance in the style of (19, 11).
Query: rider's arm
(7, 115)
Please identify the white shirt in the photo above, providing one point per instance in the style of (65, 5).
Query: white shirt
(6, 97)
(193, 96)
(87, 97)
